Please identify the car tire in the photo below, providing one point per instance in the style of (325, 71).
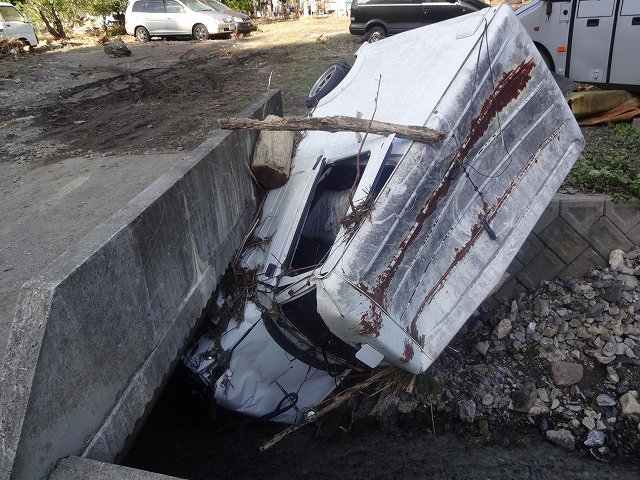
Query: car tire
(376, 34)
(200, 32)
(142, 34)
(327, 82)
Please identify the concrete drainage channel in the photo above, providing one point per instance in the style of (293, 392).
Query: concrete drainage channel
(98, 332)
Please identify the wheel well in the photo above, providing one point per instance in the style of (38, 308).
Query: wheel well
(375, 24)
(546, 55)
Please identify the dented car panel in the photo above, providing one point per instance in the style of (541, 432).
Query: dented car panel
(454, 213)
(439, 223)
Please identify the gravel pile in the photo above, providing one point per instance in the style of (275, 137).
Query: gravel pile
(565, 358)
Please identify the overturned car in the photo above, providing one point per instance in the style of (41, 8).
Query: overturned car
(378, 249)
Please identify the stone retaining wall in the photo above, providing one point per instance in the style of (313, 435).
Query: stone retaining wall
(575, 233)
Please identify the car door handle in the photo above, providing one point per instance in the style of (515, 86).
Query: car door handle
(425, 10)
(635, 21)
(593, 22)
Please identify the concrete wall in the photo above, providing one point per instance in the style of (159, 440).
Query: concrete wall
(75, 468)
(97, 333)
(574, 234)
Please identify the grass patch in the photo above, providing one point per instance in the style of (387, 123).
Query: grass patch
(610, 162)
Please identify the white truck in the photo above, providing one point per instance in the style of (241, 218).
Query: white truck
(594, 41)
(13, 24)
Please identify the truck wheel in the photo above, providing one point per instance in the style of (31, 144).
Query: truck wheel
(376, 34)
(327, 82)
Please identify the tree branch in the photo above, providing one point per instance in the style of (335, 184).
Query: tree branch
(335, 124)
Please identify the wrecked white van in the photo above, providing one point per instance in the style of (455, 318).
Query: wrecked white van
(435, 227)
(13, 24)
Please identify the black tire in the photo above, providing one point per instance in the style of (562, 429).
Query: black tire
(376, 34)
(327, 82)
(200, 32)
(547, 59)
(142, 34)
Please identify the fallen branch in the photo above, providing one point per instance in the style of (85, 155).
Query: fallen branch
(335, 124)
(335, 403)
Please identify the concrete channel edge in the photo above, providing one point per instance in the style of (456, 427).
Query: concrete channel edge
(97, 333)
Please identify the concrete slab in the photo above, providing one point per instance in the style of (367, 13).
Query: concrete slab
(624, 215)
(508, 291)
(563, 240)
(549, 214)
(544, 267)
(530, 249)
(75, 468)
(633, 235)
(581, 211)
(604, 237)
(46, 209)
(97, 331)
(581, 265)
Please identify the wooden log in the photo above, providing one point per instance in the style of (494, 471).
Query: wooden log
(335, 124)
(272, 156)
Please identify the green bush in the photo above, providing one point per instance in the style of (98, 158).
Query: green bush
(610, 162)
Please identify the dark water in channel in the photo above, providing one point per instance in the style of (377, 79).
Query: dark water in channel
(182, 439)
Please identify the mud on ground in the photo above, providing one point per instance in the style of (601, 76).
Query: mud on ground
(165, 97)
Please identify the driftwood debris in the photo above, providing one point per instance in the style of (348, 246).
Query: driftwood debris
(272, 156)
(337, 123)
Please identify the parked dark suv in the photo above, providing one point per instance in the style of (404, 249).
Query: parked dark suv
(377, 19)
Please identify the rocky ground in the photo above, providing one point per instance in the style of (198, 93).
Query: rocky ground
(563, 358)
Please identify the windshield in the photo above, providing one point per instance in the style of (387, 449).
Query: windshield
(10, 14)
(219, 6)
(197, 5)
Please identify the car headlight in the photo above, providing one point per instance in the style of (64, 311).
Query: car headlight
(238, 19)
(218, 20)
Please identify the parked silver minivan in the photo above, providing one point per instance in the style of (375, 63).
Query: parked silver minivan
(13, 24)
(148, 18)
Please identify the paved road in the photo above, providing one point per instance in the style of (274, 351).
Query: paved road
(45, 210)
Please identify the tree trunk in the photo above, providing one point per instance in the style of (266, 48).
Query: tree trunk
(334, 124)
(272, 157)
(57, 29)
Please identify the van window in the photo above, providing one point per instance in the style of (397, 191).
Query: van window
(197, 6)
(155, 7)
(139, 7)
(173, 7)
(388, 2)
(10, 14)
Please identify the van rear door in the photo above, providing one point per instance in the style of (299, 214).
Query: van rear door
(625, 45)
(591, 42)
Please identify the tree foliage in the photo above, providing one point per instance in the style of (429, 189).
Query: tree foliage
(244, 6)
(57, 13)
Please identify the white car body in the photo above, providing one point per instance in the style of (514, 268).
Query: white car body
(446, 218)
(175, 17)
(13, 24)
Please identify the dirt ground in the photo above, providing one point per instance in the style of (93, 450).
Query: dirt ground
(165, 97)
